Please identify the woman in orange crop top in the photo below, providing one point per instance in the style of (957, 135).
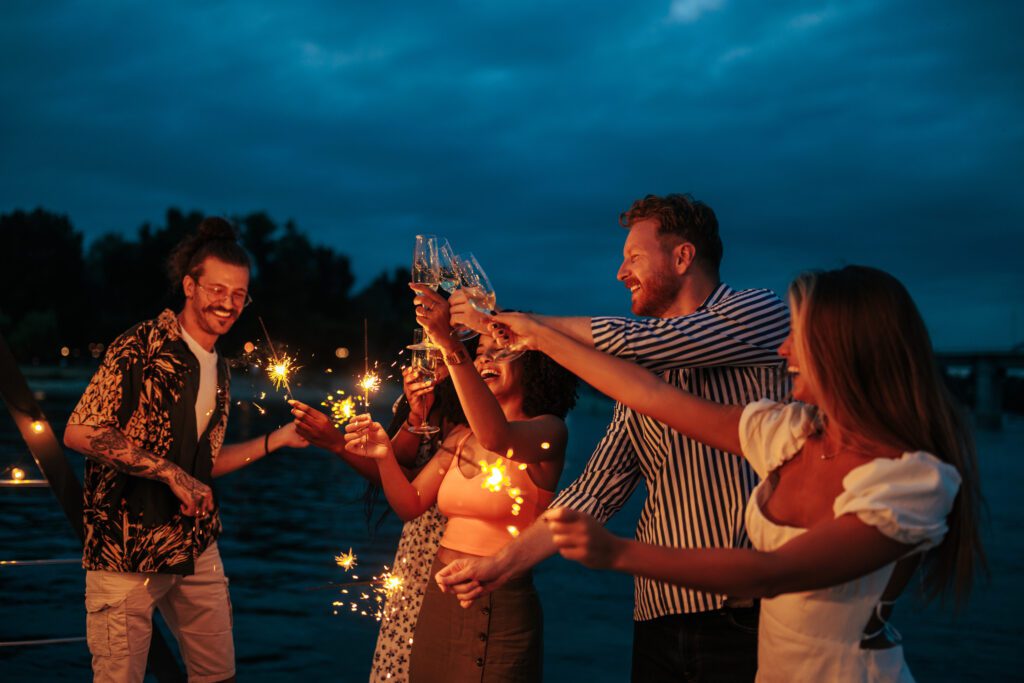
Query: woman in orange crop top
(516, 414)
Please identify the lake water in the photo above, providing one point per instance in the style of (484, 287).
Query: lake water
(287, 516)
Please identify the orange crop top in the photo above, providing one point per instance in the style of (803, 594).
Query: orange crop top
(479, 519)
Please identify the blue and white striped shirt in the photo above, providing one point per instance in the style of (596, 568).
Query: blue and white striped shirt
(725, 351)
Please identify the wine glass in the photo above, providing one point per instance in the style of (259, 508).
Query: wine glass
(482, 297)
(449, 268)
(424, 363)
(451, 280)
(426, 270)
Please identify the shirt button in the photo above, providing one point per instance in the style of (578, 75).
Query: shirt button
(482, 637)
(485, 611)
(480, 661)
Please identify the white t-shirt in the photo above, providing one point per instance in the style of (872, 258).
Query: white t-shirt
(206, 399)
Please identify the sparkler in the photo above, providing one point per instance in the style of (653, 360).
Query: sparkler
(279, 368)
(346, 560)
(383, 599)
(496, 479)
(18, 474)
(340, 409)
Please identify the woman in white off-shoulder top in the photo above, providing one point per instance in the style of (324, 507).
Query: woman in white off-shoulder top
(871, 473)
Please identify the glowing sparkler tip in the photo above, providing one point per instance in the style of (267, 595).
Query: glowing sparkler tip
(37, 427)
(370, 382)
(512, 530)
(346, 560)
(280, 369)
(17, 474)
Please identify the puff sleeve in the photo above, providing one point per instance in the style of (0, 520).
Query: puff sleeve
(908, 498)
(771, 433)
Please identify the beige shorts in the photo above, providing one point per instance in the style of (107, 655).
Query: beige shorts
(197, 608)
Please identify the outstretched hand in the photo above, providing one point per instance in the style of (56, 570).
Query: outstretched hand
(288, 436)
(580, 537)
(520, 328)
(461, 312)
(315, 427)
(367, 438)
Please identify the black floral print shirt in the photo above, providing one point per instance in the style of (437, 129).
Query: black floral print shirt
(146, 387)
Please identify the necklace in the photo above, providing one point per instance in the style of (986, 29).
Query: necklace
(825, 454)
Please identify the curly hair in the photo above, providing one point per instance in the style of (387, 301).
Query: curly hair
(215, 237)
(682, 216)
(548, 388)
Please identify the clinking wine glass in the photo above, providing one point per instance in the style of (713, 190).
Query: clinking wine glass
(426, 270)
(424, 364)
(482, 297)
(451, 280)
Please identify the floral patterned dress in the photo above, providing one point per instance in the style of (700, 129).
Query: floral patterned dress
(417, 547)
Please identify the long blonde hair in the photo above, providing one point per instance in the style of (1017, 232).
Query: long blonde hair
(866, 349)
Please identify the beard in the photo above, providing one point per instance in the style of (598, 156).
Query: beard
(656, 295)
(210, 323)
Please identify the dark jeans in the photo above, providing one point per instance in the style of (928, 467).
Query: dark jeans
(703, 647)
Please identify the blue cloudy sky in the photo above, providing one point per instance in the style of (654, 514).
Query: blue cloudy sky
(823, 133)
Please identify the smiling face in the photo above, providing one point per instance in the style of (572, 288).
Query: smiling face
(215, 297)
(647, 270)
(793, 349)
(503, 378)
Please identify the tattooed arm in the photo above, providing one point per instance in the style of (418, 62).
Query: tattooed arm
(112, 448)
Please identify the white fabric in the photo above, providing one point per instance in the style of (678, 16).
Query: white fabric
(206, 399)
(815, 635)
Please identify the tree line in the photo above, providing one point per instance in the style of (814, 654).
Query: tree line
(61, 299)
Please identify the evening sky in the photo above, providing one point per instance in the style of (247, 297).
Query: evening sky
(823, 133)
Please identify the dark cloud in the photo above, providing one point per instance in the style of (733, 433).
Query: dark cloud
(823, 133)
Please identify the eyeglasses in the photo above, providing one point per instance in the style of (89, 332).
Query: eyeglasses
(220, 293)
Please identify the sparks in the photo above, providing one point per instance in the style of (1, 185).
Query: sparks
(341, 409)
(346, 560)
(280, 369)
(369, 382)
(495, 476)
(17, 474)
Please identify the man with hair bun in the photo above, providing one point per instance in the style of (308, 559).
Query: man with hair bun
(151, 424)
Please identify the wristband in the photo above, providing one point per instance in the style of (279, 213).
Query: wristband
(456, 357)
(266, 444)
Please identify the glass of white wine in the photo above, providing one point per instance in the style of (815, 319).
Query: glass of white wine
(482, 297)
(426, 270)
(451, 280)
(424, 364)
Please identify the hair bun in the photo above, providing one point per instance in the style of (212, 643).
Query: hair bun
(216, 228)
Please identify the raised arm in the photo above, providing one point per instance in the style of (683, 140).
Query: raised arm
(706, 421)
(829, 554)
(539, 439)
(742, 329)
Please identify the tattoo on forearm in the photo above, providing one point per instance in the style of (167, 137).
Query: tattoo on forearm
(113, 449)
